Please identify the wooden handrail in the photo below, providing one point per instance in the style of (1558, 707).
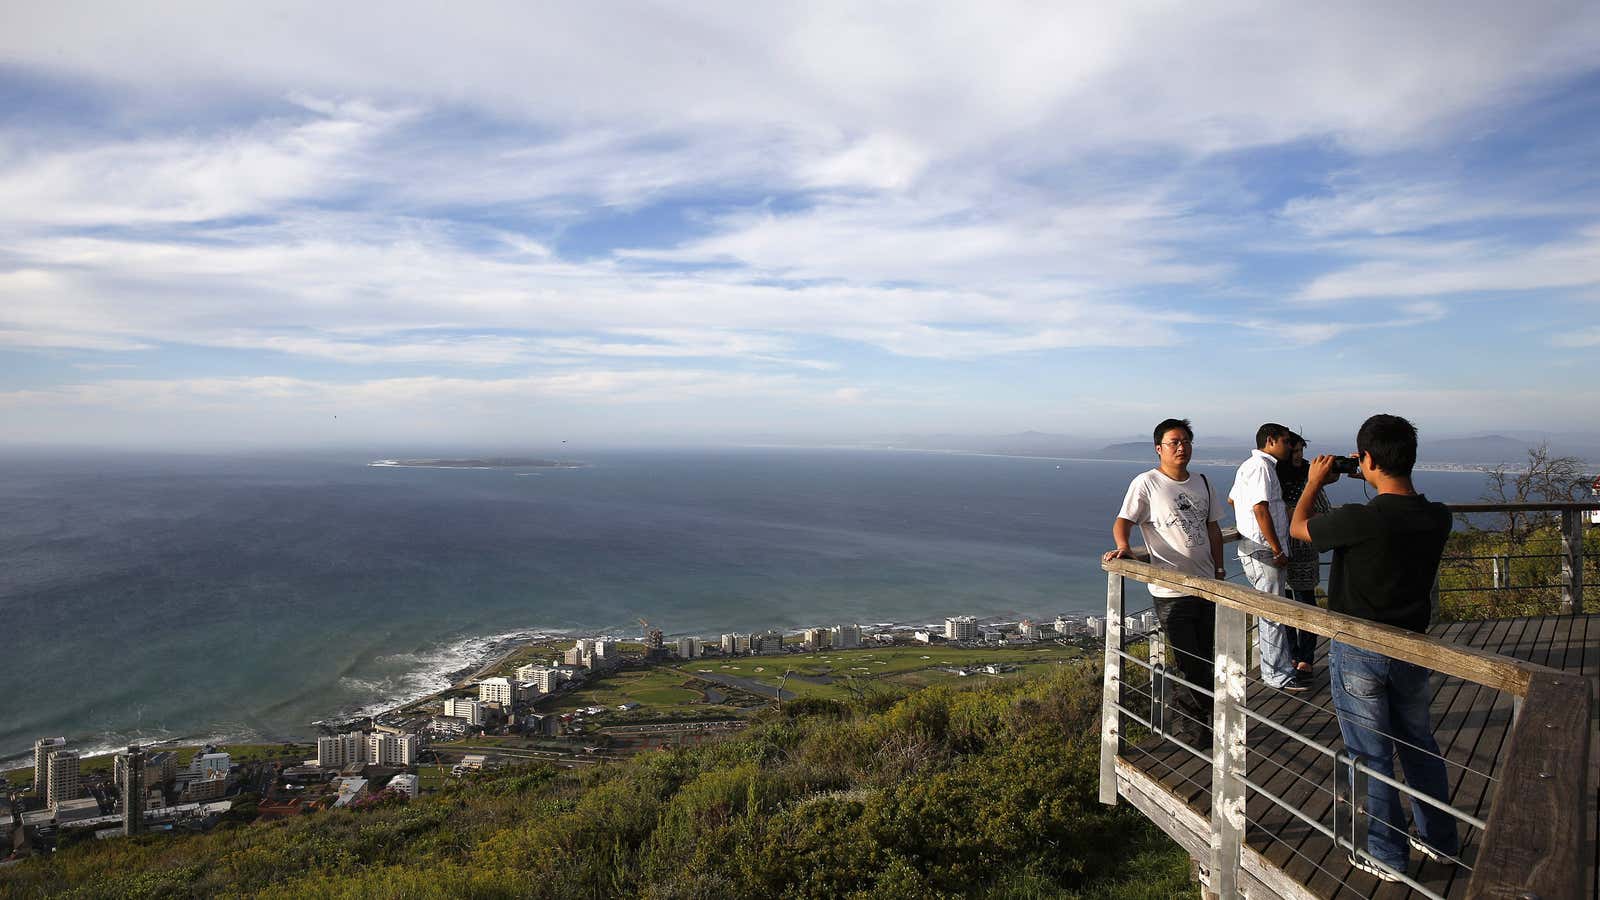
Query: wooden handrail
(1533, 846)
(1480, 667)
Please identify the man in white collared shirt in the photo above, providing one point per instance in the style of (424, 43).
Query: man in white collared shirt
(1263, 523)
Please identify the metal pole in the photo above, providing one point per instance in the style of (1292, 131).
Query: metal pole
(1228, 751)
(1111, 692)
(1571, 563)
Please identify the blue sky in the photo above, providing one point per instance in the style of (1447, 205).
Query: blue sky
(234, 222)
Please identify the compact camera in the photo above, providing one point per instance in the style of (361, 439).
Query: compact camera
(1347, 465)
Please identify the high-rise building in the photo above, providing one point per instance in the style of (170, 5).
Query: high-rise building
(42, 748)
(338, 751)
(464, 708)
(961, 628)
(587, 645)
(1095, 626)
(497, 690)
(132, 766)
(61, 781)
(688, 647)
(385, 749)
(604, 648)
(769, 641)
(846, 637)
(735, 643)
(816, 639)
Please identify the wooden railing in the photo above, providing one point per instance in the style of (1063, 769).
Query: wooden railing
(1536, 827)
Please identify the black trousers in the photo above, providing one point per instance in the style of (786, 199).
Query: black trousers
(1190, 625)
(1302, 644)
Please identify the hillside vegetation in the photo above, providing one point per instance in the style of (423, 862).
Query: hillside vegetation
(987, 792)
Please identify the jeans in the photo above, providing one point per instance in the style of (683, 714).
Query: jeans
(1272, 639)
(1303, 644)
(1190, 626)
(1373, 693)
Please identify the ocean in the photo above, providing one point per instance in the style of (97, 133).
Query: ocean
(247, 597)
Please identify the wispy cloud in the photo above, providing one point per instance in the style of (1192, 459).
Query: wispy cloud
(824, 209)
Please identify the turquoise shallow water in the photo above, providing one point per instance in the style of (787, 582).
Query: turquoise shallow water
(247, 597)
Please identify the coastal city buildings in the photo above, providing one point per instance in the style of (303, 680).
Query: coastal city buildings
(689, 648)
(1096, 626)
(131, 763)
(405, 783)
(816, 639)
(42, 748)
(734, 644)
(768, 641)
(497, 690)
(358, 747)
(961, 628)
(464, 708)
(846, 637)
(62, 781)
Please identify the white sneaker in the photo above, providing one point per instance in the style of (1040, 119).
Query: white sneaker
(1422, 847)
(1373, 869)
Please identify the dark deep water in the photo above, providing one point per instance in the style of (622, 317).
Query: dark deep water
(248, 596)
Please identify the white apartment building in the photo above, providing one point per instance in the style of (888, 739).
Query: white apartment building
(405, 783)
(688, 647)
(462, 708)
(1064, 625)
(961, 628)
(1095, 626)
(604, 648)
(392, 749)
(42, 748)
(62, 782)
(846, 637)
(817, 638)
(1028, 630)
(338, 751)
(497, 690)
(585, 646)
(381, 748)
(1148, 621)
(735, 643)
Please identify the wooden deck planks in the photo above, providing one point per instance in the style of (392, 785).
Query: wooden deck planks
(1471, 723)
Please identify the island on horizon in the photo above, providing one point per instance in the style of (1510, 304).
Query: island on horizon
(490, 462)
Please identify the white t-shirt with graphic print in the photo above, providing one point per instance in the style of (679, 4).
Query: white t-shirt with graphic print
(1173, 517)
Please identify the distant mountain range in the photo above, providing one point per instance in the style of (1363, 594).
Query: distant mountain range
(1477, 450)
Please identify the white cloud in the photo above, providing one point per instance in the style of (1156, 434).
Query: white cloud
(1582, 338)
(1564, 264)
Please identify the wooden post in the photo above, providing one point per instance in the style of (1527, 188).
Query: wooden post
(1111, 693)
(1571, 563)
(1534, 846)
(1228, 751)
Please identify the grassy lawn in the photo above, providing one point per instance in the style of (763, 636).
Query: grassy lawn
(431, 778)
(662, 690)
(910, 666)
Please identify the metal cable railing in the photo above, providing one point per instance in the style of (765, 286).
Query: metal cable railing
(1152, 700)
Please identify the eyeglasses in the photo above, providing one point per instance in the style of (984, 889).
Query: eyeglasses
(1176, 444)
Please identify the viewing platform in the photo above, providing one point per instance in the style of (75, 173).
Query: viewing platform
(1267, 811)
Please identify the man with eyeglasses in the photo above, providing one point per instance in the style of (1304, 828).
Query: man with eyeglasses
(1263, 522)
(1177, 518)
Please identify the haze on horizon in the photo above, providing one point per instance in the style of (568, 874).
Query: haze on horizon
(383, 225)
